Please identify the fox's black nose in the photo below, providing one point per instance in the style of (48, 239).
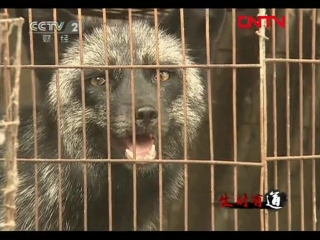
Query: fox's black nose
(146, 116)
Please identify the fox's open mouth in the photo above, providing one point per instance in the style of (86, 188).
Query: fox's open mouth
(145, 147)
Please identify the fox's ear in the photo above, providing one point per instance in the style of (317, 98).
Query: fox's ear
(195, 26)
(43, 49)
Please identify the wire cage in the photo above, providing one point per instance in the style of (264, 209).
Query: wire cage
(10, 123)
(261, 131)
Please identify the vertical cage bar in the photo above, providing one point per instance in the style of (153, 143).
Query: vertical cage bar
(313, 121)
(56, 57)
(133, 123)
(287, 50)
(84, 132)
(35, 132)
(105, 29)
(301, 119)
(6, 55)
(234, 114)
(185, 137)
(263, 114)
(156, 25)
(210, 118)
(275, 115)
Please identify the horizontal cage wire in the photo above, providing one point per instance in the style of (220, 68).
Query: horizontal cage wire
(135, 119)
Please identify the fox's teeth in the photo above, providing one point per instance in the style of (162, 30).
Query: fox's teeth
(151, 155)
(129, 154)
(153, 152)
(2, 137)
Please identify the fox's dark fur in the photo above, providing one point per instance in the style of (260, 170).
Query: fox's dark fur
(71, 123)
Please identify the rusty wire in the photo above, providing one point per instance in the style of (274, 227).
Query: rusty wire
(293, 153)
(234, 113)
(210, 120)
(313, 121)
(274, 103)
(263, 115)
(11, 121)
(156, 23)
(35, 133)
(104, 13)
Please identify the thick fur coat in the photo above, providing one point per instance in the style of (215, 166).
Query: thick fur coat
(70, 119)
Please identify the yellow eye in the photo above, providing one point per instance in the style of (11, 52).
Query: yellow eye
(164, 76)
(97, 81)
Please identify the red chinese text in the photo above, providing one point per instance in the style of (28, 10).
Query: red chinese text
(257, 200)
(243, 201)
(224, 201)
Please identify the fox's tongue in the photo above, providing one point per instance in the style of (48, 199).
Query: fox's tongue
(143, 144)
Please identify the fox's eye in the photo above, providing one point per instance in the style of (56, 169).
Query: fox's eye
(164, 76)
(97, 81)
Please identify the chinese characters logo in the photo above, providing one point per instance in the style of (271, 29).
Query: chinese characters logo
(274, 199)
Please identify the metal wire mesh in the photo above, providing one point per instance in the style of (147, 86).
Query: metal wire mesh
(10, 124)
(269, 140)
